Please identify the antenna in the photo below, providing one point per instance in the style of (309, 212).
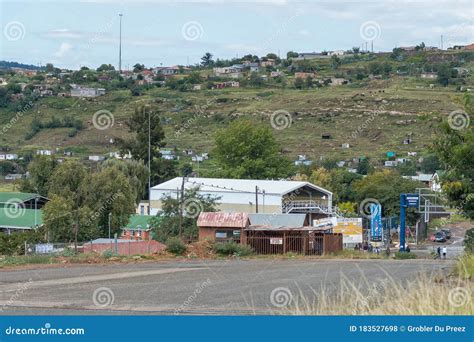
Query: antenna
(120, 44)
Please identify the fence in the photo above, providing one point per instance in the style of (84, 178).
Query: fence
(311, 244)
(129, 247)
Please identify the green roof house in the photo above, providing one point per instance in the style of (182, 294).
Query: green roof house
(19, 218)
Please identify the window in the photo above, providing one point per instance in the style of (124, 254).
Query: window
(142, 210)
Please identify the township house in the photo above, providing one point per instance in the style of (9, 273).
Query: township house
(20, 211)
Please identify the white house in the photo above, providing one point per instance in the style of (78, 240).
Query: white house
(96, 158)
(44, 152)
(250, 195)
(77, 91)
(9, 156)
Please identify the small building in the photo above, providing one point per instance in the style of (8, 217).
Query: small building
(346, 145)
(232, 72)
(390, 163)
(138, 228)
(21, 219)
(78, 91)
(268, 62)
(391, 155)
(326, 136)
(8, 156)
(222, 226)
(14, 176)
(429, 75)
(44, 152)
(96, 158)
(22, 200)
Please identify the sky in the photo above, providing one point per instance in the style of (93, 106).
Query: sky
(75, 33)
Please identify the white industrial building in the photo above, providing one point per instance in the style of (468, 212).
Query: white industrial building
(251, 196)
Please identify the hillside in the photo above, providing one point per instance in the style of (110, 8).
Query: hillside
(373, 116)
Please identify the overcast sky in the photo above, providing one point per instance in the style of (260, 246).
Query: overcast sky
(74, 33)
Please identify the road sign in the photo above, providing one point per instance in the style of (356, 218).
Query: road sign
(412, 200)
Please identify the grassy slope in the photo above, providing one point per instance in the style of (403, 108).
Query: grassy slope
(315, 111)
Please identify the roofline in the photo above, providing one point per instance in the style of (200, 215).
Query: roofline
(315, 187)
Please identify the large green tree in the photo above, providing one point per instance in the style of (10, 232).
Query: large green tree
(455, 150)
(247, 150)
(192, 204)
(40, 169)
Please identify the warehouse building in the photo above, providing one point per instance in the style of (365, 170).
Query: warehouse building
(252, 196)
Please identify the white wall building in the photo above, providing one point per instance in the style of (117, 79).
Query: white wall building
(241, 195)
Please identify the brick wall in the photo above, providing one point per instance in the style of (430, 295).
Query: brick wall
(126, 248)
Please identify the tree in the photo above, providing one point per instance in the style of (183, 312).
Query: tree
(106, 67)
(40, 169)
(309, 82)
(137, 144)
(291, 54)
(430, 163)
(168, 223)
(364, 166)
(321, 177)
(356, 50)
(255, 80)
(246, 150)
(454, 149)
(206, 60)
(385, 186)
(335, 62)
(444, 74)
(299, 83)
(110, 193)
(67, 215)
(407, 168)
(136, 172)
(138, 67)
(49, 67)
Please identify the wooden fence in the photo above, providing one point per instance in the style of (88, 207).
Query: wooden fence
(314, 244)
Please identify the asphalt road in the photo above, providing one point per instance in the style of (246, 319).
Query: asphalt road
(191, 287)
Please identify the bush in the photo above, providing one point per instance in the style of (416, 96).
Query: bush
(175, 245)
(108, 253)
(469, 241)
(232, 248)
(404, 255)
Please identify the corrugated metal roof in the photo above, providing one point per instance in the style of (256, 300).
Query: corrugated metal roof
(280, 187)
(277, 220)
(20, 218)
(222, 219)
(17, 197)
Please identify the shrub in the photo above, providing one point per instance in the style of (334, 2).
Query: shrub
(469, 241)
(231, 248)
(175, 245)
(404, 255)
(108, 253)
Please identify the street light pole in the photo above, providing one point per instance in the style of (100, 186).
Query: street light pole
(110, 216)
(120, 44)
(149, 162)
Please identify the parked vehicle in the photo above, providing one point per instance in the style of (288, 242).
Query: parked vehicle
(440, 237)
(447, 232)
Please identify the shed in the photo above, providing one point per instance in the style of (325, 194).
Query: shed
(326, 136)
(222, 226)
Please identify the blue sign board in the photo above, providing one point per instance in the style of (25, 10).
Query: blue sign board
(376, 222)
(412, 200)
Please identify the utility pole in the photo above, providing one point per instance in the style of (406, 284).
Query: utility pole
(181, 202)
(256, 199)
(441, 42)
(120, 44)
(110, 216)
(149, 162)
(372, 46)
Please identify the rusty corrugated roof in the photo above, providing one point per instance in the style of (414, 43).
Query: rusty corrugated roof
(222, 219)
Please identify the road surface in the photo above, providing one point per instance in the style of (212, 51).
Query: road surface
(190, 287)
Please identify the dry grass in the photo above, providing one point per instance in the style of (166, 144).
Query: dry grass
(423, 296)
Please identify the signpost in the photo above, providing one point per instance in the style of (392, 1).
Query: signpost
(406, 201)
(375, 222)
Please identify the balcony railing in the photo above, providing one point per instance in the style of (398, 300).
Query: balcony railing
(305, 206)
